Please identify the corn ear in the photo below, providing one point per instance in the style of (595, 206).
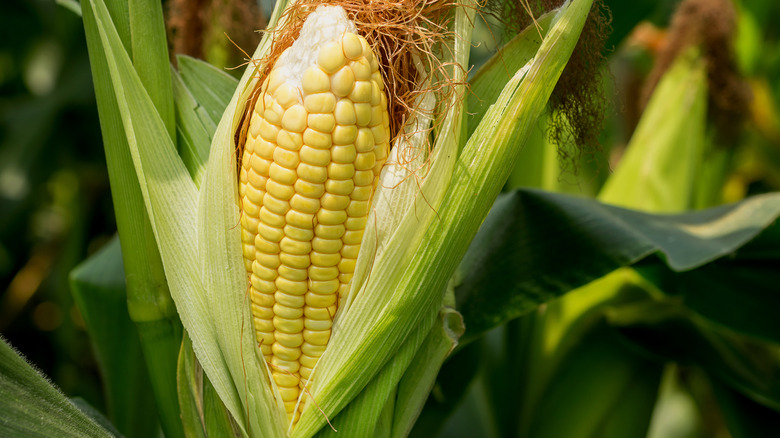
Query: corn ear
(670, 140)
(312, 154)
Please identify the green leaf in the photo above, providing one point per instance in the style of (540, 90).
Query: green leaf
(33, 407)
(98, 287)
(217, 418)
(211, 87)
(506, 359)
(553, 243)
(71, 5)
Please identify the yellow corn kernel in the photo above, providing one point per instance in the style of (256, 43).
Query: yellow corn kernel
(344, 134)
(285, 158)
(331, 57)
(342, 81)
(297, 233)
(329, 231)
(289, 300)
(292, 141)
(286, 353)
(344, 154)
(352, 46)
(321, 273)
(320, 102)
(304, 204)
(347, 266)
(308, 189)
(315, 81)
(331, 217)
(279, 191)
(334, 202)
(339, 187)
(322, 122)
(312, 174)
(284, 379)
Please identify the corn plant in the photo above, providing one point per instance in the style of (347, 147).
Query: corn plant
(323, 248)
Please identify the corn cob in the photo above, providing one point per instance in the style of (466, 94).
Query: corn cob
(318, 137)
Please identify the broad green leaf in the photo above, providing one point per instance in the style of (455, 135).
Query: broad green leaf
(98, 287)
(384, 425)
(507, 356)
(217, 418)
(203, 413)
(553, 243)
(521, 358)
(33, 407)
(120, 16)
(148, 298)
(659, 169)
(671, 332)
(471, 418)
(211, 87)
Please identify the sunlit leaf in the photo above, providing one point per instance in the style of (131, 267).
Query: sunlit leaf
(535, 246)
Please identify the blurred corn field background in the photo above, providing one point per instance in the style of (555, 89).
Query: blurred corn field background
(582, 318)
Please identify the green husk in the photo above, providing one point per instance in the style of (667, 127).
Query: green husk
(660, 166)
